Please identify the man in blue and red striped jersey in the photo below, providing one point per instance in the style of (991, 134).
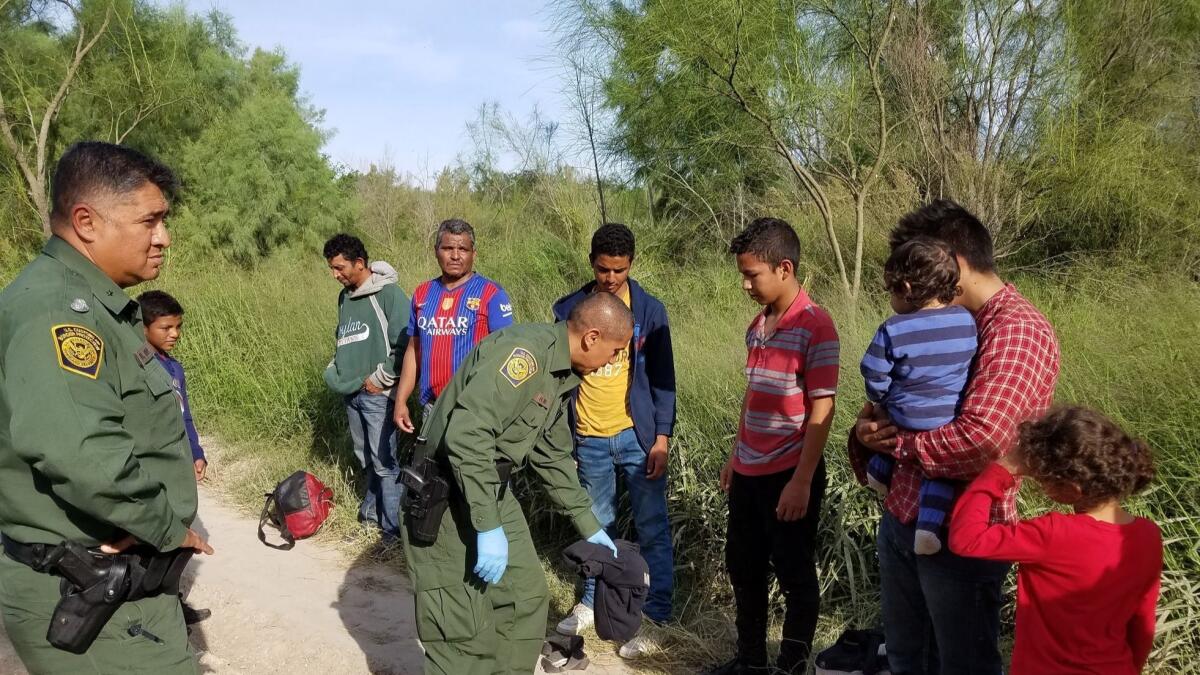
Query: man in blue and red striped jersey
(450, 315)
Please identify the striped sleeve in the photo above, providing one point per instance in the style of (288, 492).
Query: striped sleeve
(876, 366)
(822, 358)
(499, 309)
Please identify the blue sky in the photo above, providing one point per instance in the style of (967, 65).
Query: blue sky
(405, 76)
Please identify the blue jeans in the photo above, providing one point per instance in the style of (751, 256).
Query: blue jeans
(600, 459)
(941, 612)
(373, 433)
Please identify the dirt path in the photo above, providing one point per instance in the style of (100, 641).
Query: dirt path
(274, 610)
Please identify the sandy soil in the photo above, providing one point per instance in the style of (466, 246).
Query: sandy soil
(310, 607)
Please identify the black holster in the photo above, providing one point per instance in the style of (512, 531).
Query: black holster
(504, 470)
(95, 584)
(426, 498)
(428, 493)
(93, 587)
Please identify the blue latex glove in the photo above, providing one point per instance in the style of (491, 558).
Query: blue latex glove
(601, 538)
(492, 554)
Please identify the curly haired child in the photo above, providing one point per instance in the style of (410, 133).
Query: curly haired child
(1087, 582)
(916, 367)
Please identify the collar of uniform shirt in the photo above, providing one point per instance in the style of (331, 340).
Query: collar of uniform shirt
(106, 290)
(560, 360)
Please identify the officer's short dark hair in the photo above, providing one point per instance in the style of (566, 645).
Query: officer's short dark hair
(771, 240)
(604, 312)
(922, 270)
(157, 304)
(612, 239)
(454, 226)
(90, 166)
(953, 224)
(348, 246)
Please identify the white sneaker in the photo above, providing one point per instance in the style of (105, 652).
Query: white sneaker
(580, 619)
(641, 645)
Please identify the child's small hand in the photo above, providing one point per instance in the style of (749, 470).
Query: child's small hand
(726, 475)
(793, 501)
(201, 467)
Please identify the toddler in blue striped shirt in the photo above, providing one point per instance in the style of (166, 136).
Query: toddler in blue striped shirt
(917, 365)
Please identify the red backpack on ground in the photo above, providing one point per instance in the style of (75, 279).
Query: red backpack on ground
(302, 503)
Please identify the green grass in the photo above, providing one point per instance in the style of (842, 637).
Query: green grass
(256, 341)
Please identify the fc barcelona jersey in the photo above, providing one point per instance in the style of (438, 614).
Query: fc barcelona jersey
(447, 324)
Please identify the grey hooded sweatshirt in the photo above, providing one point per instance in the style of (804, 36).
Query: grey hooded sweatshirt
(371, 334)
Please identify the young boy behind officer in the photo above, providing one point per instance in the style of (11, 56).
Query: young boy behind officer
(775, 476)
(162, 319)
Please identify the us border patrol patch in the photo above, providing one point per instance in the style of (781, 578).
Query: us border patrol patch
(519, 367)
(80, 351)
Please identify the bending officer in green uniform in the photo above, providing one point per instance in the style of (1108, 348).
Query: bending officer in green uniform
(92, 446)
(481, 593)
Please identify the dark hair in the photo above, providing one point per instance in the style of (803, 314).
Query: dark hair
(612, 239)
(454, 226)
(929, 269)
(157, 304)
(947, 221)
(348, 246)
(771, 240)
(90, 166)
(1081, 446)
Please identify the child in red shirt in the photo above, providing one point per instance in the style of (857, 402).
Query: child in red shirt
(1087, 582)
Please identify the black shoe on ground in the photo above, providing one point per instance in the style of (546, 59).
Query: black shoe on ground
(737, 666)
(191, 615)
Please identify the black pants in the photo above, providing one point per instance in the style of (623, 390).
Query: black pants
(758, 542)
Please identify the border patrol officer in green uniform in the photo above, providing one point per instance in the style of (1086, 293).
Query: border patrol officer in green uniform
(481, 598)
(92, 447)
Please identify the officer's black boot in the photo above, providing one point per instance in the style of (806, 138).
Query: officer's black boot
(191, 615)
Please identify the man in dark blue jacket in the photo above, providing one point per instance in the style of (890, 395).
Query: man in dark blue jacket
(623, 416)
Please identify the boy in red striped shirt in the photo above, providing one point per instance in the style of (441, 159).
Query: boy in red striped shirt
(775, 477)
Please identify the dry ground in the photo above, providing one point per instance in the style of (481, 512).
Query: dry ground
(308, 607)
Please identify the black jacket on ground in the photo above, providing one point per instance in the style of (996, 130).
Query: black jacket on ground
(621, 585)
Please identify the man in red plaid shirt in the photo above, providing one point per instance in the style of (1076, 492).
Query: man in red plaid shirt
(944, 608)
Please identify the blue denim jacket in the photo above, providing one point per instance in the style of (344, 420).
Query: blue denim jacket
(652, 387)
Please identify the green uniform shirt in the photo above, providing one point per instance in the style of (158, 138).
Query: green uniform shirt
(509, 398)
(92, 442)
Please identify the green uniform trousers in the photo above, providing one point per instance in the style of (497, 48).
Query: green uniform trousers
(27, 599)
(468, 627)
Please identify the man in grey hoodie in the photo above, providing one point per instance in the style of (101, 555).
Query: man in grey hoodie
(372, 316)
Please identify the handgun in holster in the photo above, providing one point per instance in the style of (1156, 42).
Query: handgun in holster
(94, 585)
(427, 496)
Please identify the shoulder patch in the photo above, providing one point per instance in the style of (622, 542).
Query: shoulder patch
(79, 350)
(519, 367)
(144, 354)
